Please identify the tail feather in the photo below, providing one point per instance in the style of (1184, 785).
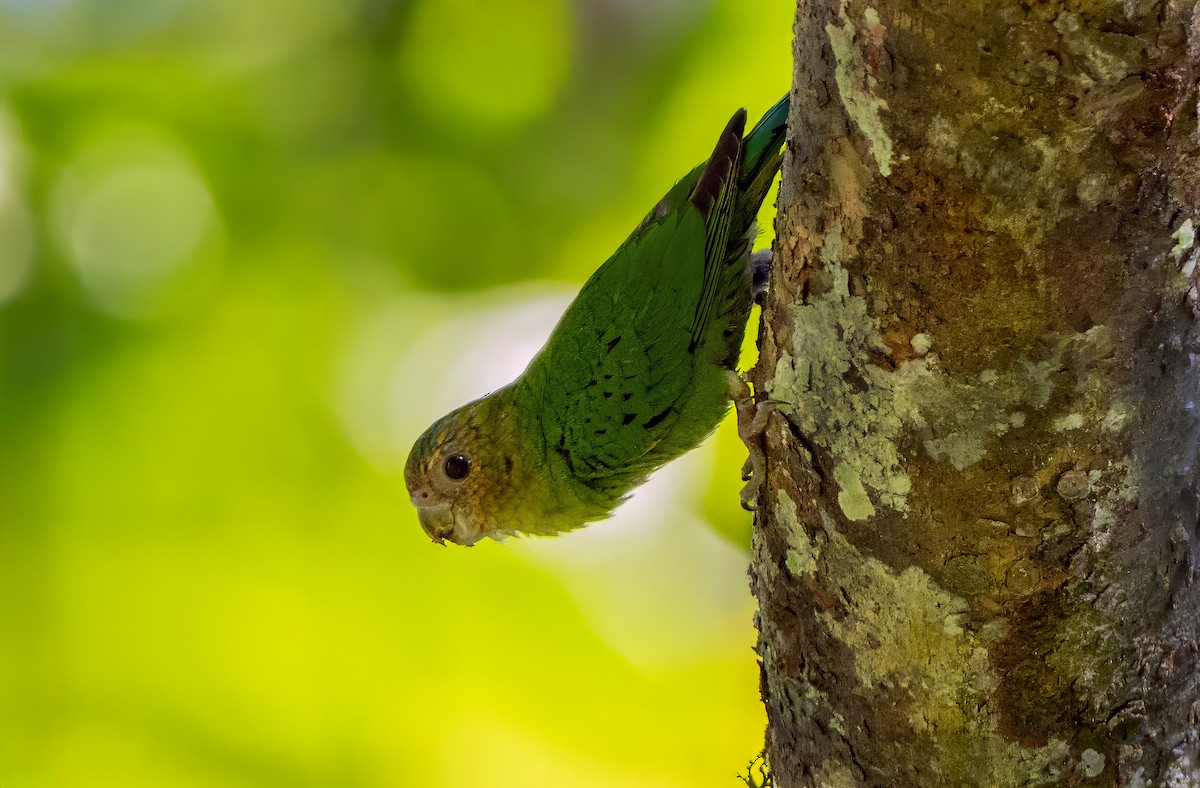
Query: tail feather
(761, 156)
(765, 140)
(742, 280)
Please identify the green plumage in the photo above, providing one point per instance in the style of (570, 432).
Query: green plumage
(634, 375)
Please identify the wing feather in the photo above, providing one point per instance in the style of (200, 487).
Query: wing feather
(618, 364)
(620, 367)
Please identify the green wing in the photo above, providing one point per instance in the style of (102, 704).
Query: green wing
(613, 374)
(621, 367)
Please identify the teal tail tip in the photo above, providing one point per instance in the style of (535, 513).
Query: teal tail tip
(767, 135)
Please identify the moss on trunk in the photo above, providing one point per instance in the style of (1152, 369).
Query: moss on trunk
(976, 557)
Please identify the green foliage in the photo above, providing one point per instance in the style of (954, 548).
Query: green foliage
(758, 773)
(247, 252)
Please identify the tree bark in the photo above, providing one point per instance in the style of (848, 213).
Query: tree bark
(976, 550)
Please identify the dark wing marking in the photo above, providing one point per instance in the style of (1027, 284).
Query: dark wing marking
(629, 331)
(620, 367)
(715, 195)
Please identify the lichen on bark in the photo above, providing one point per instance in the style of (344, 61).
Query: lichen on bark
(979, 565)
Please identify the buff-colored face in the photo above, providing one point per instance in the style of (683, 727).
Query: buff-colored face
(447, 475)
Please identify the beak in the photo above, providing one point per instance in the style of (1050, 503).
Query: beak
(437, 521)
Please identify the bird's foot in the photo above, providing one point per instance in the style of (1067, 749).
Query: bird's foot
(752, 420)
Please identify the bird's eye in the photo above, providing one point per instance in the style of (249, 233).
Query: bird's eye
(457, 466)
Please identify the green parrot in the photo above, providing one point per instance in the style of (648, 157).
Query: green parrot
(640, 369)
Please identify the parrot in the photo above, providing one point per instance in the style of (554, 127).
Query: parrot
(639, 370)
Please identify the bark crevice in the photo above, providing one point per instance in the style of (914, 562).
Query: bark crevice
(976, 557)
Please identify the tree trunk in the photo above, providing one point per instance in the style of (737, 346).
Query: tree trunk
(976, 550)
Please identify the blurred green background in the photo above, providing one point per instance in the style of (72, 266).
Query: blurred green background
(249, 249)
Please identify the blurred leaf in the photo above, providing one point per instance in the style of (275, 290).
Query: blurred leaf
(474, 73)
(247, 250)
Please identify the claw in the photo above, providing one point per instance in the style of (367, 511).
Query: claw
(752, 421)
(750, 494)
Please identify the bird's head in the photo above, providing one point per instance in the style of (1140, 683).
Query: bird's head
(459, 474)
